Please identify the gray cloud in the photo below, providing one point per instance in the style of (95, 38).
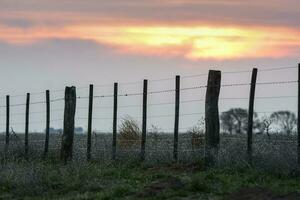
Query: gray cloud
(268, 12)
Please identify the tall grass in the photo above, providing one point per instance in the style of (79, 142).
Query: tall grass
(129, 133)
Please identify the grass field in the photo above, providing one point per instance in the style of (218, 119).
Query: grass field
(274, 175)
(51, 180)
(279, 152)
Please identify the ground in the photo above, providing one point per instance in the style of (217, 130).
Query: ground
(53, 180)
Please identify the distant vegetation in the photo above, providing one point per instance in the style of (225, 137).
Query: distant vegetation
(129, 132)
(78, 130)
(197, 134)
(274, 144)
(235, 120)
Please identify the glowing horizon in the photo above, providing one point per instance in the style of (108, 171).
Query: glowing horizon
(190, 42)
(191, 29)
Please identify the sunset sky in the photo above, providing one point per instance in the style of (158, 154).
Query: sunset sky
(48, 44)
(189, 29)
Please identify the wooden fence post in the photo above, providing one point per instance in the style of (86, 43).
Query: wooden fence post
(144, 123)
(90, 119)
(212, 123)
(27, 124)
(298, 117)
(46, 147)
(176, 124)
(7, 123)
(69, 124)
(115, 117)
(250, 115)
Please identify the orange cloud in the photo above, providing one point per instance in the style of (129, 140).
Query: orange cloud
(191, 42)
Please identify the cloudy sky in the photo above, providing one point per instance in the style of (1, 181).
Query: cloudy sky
(48, 44)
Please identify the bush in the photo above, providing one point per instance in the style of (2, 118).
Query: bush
(197, 134)
(154, 133)
(129, 132)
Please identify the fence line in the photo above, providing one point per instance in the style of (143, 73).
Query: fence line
(167, 91)
(157, 80)
(145, 93)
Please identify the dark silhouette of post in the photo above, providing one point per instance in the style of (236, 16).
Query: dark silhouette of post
(27, 124)
(176, 124)
(46, 149)
(212, 123)
(115, 117)
(90, 119)
(144, 123)
(7, 123)
(298, 119)
(250, 115)
(69, 124)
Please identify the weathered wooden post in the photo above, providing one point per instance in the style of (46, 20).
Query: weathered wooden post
(7, 123)
(46, 147)
(176, 124)
(115, 116)
(27, 124)
(298, 119)
(90, 119)
(69, 124)
(250, 115)
(212, 123)
(144, 123)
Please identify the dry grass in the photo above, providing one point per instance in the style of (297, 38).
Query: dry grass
(197, 134)
(129, 133)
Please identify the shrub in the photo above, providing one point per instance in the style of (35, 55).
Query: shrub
(197, 134)
(154, 133)
(129, 132)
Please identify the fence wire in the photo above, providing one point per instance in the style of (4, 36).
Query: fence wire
(267, 150)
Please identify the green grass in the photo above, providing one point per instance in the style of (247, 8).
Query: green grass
(52, 180)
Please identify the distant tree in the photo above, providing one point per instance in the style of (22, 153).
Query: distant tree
(52, 130)
(227, 122)
(59, 131)
(265, 124)
(55, 131)
(286, 120)
(234, 119)
(79, 130)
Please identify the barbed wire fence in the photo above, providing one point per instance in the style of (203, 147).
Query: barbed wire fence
(165, 144)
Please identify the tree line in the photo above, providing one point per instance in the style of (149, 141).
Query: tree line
(235, 121)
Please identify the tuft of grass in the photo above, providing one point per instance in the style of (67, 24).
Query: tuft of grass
(197, 134)
(129, 133)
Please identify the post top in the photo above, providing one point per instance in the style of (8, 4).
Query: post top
(70, 87)
(214, 71)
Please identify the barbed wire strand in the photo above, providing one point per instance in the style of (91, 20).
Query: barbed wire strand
(156, 80)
